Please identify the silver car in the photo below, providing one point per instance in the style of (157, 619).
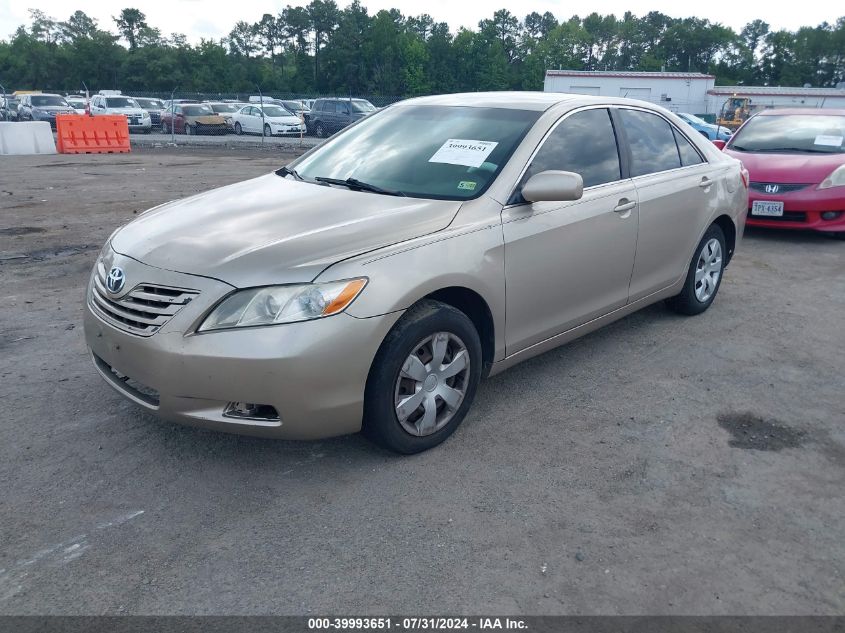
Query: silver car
(372, 283)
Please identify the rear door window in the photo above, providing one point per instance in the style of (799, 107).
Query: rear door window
(584, 143)
(652, 142)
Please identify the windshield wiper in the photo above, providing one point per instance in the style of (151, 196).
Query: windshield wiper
(800, 150)
(288, 171)
(359, 185)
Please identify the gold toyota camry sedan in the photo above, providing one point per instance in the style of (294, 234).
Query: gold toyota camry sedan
(372, 283)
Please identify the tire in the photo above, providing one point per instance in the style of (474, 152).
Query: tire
(697, 295)
(705, 135)
(388, 383)
(188, 130)
(835, 235)
(319, 130)
(164, 129)
(267, 130)
(238, 129)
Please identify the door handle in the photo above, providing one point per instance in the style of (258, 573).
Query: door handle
(624, 205)
(705, 182)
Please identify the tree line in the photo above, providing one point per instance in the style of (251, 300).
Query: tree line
(322, 48)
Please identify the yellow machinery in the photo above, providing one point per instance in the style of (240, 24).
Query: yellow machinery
(734, 112)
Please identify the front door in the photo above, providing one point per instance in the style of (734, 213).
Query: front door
(569, 262)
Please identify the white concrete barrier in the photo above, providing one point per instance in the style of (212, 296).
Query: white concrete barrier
(30, 137)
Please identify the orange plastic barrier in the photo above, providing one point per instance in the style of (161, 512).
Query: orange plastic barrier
(77, 134)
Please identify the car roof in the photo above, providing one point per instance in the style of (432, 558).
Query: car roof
(819, 111)
(519, 100)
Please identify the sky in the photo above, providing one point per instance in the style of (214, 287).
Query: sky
(213, 19)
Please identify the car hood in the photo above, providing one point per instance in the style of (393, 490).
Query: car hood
(274, 230)
(58, 109)
(205, 119)
(284, 120)
(788, 168)
(131, 111)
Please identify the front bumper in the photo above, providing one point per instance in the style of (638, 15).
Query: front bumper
(288, 130)
(313, 373)
(802, 209)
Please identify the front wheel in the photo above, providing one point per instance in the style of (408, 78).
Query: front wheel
(188, 130)
(704, 275)
(319, 130)
(835, 235)
(423, 379)
(238, 129)
(164, 129)
(267, 130)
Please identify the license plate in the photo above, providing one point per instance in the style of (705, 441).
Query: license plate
(760, 207)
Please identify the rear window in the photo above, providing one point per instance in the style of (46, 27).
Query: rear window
(224, 107)
(46, 101)
(792, 133)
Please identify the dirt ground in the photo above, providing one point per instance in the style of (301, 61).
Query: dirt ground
(664, 465)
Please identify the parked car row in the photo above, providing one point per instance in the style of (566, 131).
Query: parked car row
(258, 115)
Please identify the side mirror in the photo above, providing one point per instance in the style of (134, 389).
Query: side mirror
(553, 186)
(719, 143)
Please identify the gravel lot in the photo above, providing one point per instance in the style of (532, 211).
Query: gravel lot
(664, 465)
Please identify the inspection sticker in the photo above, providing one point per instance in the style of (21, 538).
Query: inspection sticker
(459, 151)
(828, 140)
(467, 185)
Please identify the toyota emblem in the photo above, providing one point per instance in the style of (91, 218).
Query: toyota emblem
(772, 188)
(115, 280)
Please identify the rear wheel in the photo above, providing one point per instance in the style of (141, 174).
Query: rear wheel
(189, 131)
(319, 130)
(164, 129)
(704, 275)
(423, 379)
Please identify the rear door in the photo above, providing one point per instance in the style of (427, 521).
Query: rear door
(677, 195)
(569, 262)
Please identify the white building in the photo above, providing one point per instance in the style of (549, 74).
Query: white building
(776, 97)
(678, 92)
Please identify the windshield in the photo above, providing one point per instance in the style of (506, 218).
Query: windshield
(149, 104)
(276, 111)
(444, 152)
(120, 102)
(292, 105)
(41, 100)
(76, 103)
(197, 110)
(224, 107)
(359, 105)
(692, 118)
(796, 133)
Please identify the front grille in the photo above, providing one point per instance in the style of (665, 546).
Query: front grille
(781, 187)
(144, 310)
(155, 118)
(788, 216)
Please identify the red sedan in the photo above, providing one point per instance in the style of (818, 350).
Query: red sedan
(796, 162)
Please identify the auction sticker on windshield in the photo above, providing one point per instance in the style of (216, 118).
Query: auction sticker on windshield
(459, 151)
(828, 140)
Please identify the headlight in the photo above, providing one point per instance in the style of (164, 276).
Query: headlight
(283, 304)
(836, 178)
